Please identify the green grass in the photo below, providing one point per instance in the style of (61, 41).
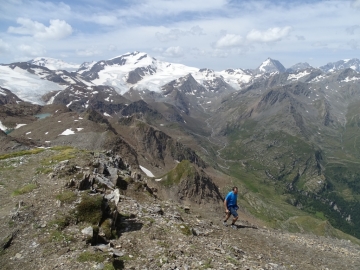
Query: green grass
(183, 170)
(88, 256)
(22, 153)
(25, 189)
(59, 236)
(185, 229)
(61, 222)
(67, 196)
(43, 170)
(60, 148)
(320, 215)
(310, 224)
(63, 153)
(117, 264)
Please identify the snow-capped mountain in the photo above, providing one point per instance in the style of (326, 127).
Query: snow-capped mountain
(270, 66)
(30, 82)
(137, 70)
(54, 64)
(298, 66)
(28, 86)
(342, 64)
(140, 71)
(86, 66)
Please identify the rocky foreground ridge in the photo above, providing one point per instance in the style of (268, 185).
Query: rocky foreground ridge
(64, 208)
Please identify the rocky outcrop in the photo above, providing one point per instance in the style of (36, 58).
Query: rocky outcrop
(101, 98)
(7, 97)
(137, 74)
(199, 188)
(161, 148)
(140, 107)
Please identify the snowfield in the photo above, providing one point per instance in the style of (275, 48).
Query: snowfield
(27, 86)
(162, 73)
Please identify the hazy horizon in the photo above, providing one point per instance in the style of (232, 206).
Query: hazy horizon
(215, 34)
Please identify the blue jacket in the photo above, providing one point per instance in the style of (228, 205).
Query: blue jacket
(231, 199)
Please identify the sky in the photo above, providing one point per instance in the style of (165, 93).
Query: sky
(216, 34)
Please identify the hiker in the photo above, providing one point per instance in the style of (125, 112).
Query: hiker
(231, 207)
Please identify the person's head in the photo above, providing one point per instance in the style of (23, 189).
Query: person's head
(235, 190)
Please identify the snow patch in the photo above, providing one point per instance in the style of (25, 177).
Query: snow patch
(146, 171)
(19, 125)
(297, 76)
(2, 127)
(67, 132)
(348, 79)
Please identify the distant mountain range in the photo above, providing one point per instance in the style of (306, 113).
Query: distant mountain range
(35, 78)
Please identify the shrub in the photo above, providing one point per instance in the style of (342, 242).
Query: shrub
(90, 209)
(106, 227)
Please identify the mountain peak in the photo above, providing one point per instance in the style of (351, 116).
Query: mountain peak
(53, 64)
(134, 59)
(270, 65)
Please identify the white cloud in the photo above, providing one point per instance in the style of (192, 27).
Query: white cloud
(319, 44)
(158, 49)
(175, 34)
(323, 23)
(197, 52)
(88, 52)
(112, 47)
(33, 50)
(353, 44)
(197, 30)
(351, 29)
(356, 3)
(57, 29)
(270, 35)
(104, 19)
(174, 52)
(229, 40)
(219, 53)
(173, 7)
(4, 47)
(300, 37)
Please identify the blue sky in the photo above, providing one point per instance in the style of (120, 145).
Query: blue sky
(216, 34)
